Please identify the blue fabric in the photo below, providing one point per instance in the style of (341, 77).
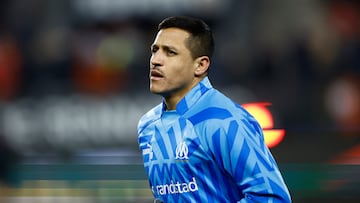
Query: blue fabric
(209, 150)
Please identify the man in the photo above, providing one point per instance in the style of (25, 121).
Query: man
(198, 145)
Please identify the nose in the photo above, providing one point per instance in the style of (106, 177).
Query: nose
(156, 59)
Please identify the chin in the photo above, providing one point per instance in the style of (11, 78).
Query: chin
(159, 92)
(155, 91)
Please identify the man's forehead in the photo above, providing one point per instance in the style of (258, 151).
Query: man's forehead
(171, 36)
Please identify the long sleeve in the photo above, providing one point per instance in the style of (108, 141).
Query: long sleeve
(208, 150)
(240, 150)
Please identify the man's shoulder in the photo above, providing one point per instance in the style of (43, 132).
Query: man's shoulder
(217, 105)
(150, 116)
(212, 105)
(216, 98)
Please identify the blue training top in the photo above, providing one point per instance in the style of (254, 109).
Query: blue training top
(209, 149)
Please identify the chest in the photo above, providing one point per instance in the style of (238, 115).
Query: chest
(173, 141)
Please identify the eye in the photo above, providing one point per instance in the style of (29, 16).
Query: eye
(171, 53)
(154, 49)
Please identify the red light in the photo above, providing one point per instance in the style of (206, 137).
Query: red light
(262, 114)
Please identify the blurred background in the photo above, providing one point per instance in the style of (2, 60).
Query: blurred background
(74, 82)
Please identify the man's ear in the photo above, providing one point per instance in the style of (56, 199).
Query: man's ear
(202, 65)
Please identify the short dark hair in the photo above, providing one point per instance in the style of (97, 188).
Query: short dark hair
(201, 41)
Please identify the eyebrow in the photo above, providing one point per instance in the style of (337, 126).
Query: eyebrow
(165, 47)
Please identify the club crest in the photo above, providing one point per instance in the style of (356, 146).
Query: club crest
(182, 151)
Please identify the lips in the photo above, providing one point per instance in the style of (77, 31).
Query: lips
(156, 75)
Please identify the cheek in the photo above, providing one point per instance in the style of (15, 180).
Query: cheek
(182, 75)
(181, 70)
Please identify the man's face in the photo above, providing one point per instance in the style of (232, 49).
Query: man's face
(171, 64)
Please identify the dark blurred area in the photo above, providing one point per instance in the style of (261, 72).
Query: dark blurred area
(74, 82)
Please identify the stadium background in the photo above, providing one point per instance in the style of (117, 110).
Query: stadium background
(73, 83)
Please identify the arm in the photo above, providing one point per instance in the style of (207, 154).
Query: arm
(242, 153)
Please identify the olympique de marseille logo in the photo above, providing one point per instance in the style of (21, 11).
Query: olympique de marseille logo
(182, 151)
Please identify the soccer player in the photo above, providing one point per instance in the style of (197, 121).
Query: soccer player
(197, 144)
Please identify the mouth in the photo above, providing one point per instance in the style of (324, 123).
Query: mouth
(156, 75)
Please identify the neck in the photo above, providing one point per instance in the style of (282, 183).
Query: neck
(171, 102)
(173, 99)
